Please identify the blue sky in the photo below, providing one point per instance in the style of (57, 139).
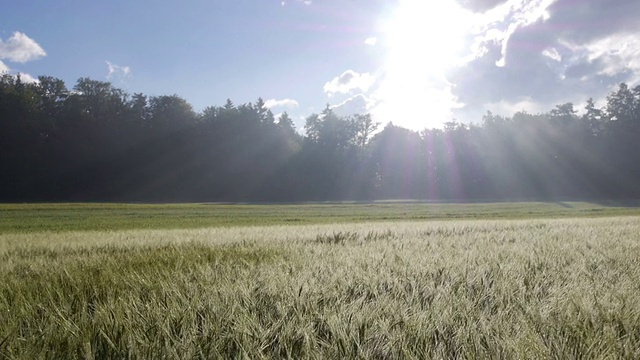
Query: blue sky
(415, 63)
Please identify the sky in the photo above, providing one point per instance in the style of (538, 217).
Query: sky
(414, 63)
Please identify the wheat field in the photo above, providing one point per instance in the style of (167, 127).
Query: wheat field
(512, 289)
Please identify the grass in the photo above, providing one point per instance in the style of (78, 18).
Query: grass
(491, 288)
(24, 218)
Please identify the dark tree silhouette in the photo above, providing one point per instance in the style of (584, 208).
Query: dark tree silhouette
(98, 143)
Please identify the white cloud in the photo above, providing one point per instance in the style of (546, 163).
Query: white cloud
(24, 77)
(501, 23)
(359, 104)
(508, 108)
(306, 2)
(619, 53)
(286, 103)
(615, 56)
(349, 81)
(3, 68)
(20, 48)
(117, 70)
(553, 54)
(549, 51)
(371, 41)
(27, 78)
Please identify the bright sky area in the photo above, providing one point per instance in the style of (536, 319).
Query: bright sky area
(415, 63)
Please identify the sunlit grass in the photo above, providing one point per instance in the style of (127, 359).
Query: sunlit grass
(562, 288)
(21, 218)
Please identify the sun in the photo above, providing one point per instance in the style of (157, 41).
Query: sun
(425, 34)
(423, 40)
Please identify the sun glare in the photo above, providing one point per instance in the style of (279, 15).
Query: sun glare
(423, 40)
(425, 35)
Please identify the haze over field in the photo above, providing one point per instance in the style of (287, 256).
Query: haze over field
(416, 63)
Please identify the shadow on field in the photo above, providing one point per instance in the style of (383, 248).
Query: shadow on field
(628, 203)
(564, 205)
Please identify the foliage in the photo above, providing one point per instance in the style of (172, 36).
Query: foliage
(96, 142)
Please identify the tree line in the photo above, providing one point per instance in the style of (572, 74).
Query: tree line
(95, 142)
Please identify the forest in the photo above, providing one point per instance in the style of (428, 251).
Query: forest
(95, 142)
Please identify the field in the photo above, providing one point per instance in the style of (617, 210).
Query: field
(375, 281)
